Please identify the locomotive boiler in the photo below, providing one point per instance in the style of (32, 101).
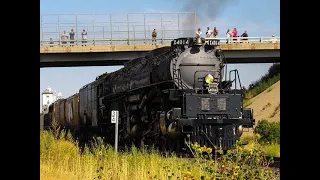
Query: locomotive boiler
(170, 94)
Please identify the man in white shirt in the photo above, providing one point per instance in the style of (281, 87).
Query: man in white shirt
(84, 36)
(273, 39)
(198, 33)
(64, 37)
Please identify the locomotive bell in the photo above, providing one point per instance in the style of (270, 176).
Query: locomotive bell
(198, 41)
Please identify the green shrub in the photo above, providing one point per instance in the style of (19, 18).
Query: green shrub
(269, 132)
(261, 86)
(271, 150)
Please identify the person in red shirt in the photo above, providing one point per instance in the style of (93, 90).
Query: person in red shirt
(235, 34)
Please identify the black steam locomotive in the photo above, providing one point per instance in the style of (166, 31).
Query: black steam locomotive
(171, 93)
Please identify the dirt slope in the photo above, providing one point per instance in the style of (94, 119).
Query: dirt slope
(266, 105)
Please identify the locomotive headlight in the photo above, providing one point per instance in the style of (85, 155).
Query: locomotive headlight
(209, 79)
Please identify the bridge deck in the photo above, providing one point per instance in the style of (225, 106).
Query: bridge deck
(126, 48)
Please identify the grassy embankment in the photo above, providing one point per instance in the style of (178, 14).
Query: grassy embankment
(60, 159)
(264, 84)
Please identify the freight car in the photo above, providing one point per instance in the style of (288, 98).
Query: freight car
(170, 94)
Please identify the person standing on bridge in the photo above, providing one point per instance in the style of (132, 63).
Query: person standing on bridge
(245, 34)
(198, 33)
(208, 32)
(51, 42)
(273, 39)
(72, 37)
(229, 36)
(84, 37)
(215, 32)
(64, 37)
(154, 36)
(235, 34)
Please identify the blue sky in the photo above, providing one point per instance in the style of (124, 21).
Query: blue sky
(258, 17)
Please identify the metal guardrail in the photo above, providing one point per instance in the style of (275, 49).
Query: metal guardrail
(124, 28)
(159, 41)
(118, 25)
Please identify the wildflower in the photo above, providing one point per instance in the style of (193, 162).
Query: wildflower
(195, 145)
(257, 160)
(250, 151)
(203, 149)
(235, 173)
(100, 153)
(188, 173)
(209, 150)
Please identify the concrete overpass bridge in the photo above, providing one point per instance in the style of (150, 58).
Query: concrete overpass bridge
(113, 39)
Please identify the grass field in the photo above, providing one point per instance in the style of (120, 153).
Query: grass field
(60, 159)
(269, 149)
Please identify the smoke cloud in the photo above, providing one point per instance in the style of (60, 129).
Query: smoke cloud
(206, 11)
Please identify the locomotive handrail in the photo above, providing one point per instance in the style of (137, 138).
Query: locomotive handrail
(148, 41)
(236, 75)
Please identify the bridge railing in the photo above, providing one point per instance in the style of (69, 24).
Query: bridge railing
(149, 41)
(121, 28)
(118, 26)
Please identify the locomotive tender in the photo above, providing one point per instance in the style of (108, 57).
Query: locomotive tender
(162, 98)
